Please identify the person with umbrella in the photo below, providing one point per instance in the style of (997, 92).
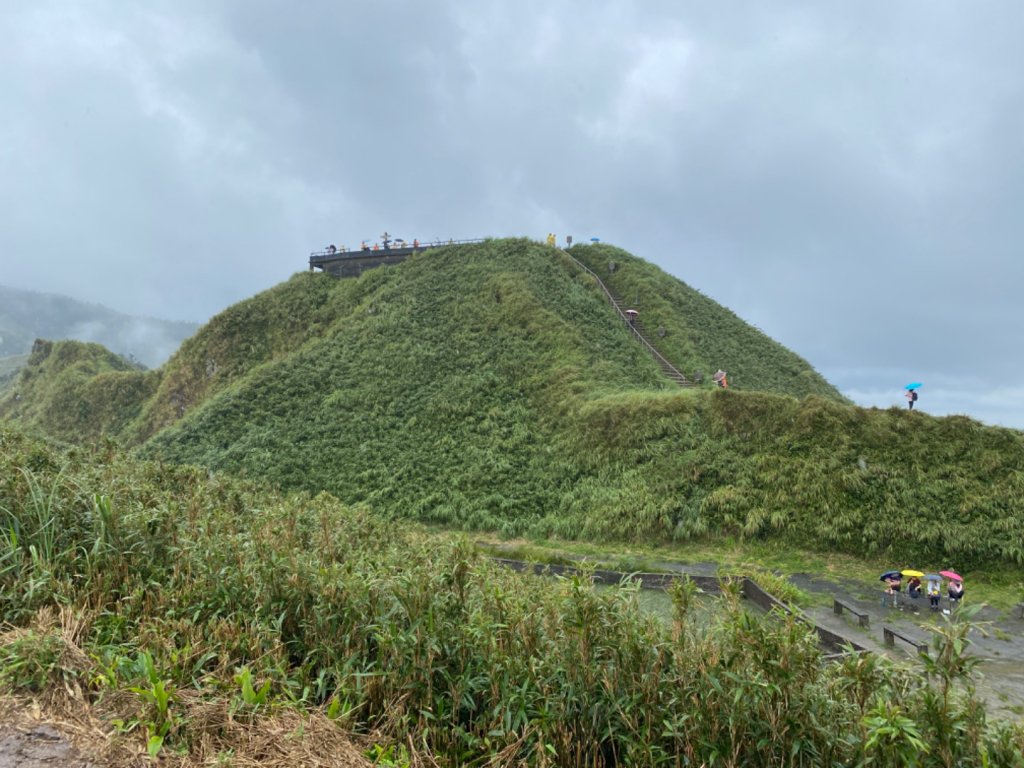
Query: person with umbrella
(893, 580)
(914, 585)
(934, 590)
(911, 394)
(956, 588)
(721, 378)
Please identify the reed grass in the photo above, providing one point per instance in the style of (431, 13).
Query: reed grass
(179, 591)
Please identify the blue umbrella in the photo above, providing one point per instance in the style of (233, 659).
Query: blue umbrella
(595, 239)
(913, 385)
(890, 574)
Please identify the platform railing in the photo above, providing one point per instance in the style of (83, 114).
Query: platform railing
(327, 254)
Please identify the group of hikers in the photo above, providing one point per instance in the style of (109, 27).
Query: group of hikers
(387, 242)
(931, 588)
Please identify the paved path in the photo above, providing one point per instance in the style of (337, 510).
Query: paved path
(1002, 648)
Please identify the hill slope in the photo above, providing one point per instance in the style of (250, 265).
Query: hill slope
(492, 386)
(700, 333)
(26, 316)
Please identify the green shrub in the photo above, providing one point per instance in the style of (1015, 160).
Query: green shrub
(190, 590)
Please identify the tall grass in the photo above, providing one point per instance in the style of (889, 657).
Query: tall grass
(187, 590)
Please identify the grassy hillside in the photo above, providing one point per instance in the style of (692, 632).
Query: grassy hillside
(492, 387)
(76, 391)
(700, 334)
(819, 474)
(27, 315)
(440, 394)
(195, 610)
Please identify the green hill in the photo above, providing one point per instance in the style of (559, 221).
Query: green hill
(75, 391)
(492, 386)
(700, 333)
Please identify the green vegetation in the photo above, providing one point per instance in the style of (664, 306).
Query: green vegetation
(77, 391)
(700, 334)
(491, 387)
(183, 603)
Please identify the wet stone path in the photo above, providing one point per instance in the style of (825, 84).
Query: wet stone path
(38, 746)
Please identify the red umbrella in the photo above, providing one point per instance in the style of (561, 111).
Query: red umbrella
(951, 575)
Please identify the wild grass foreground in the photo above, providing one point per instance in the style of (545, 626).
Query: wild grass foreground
(161, 594)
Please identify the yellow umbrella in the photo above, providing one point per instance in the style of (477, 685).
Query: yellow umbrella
(911, 572)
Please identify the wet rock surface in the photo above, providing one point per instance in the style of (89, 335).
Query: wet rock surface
(39, 746)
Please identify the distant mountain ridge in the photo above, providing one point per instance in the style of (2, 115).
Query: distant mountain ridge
(28, 315)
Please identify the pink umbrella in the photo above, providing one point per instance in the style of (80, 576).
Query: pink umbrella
(951, 575)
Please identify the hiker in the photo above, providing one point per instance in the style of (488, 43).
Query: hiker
(956, 593)
(914, 588)
(721, 379)
(415, 243)
(911, 398)
(363, 246)
(894, 583)
(934, 589)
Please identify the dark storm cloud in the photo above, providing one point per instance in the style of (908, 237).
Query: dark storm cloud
(844, 176)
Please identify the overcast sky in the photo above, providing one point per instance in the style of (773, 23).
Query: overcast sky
(846, 176)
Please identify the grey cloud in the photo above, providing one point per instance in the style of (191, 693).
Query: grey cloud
(844, 176)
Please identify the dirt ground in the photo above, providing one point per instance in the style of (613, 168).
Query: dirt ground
(33, 738)
(70, 735)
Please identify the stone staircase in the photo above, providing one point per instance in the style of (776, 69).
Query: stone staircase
(640, 331)
(636, 325)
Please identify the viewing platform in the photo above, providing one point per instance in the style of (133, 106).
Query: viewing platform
(341, 263)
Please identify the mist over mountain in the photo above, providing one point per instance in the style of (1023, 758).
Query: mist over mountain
(28, 315)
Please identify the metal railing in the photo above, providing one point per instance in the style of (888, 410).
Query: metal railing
(643, 340)
(327, 254)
